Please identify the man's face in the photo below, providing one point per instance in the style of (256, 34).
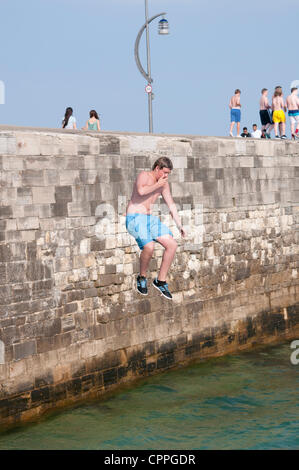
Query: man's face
(162, 172)
(295, 92)
(254, 128)
(245, 131)
(265, 93)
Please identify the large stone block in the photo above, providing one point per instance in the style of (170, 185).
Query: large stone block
(28, 223)
(43, 195)
(77, 209)
(28, 144)
(204, 147)
(32, 178)
(8, 144)
(25, 349)
(109, 145)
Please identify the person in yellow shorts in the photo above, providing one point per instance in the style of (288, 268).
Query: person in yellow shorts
(278, 117)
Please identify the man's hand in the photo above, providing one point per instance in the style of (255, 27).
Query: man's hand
(162, 181)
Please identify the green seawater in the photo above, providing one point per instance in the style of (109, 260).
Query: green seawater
(244, 401)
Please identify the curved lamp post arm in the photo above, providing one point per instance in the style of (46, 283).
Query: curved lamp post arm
(137, 58)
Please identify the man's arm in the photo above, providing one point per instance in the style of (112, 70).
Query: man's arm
(143, 188)
(238, 101)
(172, 208)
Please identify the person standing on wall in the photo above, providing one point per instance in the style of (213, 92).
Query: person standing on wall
(93, 123)
(293, 108)
(69, 121)
(147, 229)
(266, 114)
(279, 107)
(235, 112)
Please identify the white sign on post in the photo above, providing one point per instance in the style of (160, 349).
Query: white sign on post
(148, 88)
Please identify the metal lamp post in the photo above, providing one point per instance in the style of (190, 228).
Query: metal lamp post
(163, 29)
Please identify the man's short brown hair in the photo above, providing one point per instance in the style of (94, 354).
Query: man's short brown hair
(264, 89)
(293, 89)
(237, 91)
(163, 162)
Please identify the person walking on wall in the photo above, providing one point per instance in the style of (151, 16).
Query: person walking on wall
(293, 108)
(93, 123)
(266, 114)
(278, 107)
(69, 121)
(147, 229)
(235, 112)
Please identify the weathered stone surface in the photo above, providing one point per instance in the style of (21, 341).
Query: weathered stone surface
(71, 322)
(25, 349)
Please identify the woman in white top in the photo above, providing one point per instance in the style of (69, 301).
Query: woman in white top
(69, 121)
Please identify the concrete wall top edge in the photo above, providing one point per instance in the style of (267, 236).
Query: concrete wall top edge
(22, 129)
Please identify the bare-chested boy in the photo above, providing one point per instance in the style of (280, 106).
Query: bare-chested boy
(265, 109)
(147, 228)
(278, 107)
(235, 112)
(293, 108)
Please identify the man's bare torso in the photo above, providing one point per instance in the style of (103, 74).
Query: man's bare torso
(264, 103)
(293, 102)
(143, 204)
(235, 102)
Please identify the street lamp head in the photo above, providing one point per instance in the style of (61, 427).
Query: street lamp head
(163, 26)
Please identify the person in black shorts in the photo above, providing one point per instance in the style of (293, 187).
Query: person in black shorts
(265, 114)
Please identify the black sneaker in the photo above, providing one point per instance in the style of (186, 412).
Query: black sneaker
(283, 137)
(277, 137)
(163, 288)
(142, 285)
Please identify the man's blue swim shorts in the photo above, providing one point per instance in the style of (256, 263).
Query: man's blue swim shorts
(235, 115)
(145, 228)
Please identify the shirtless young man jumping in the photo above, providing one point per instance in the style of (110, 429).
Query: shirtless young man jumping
(293, 108)
(147, 228)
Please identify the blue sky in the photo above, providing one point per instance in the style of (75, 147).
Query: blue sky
(58, 53)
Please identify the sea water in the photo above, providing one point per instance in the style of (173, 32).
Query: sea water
(243, 401)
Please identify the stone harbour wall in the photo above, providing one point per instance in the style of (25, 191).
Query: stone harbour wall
(72, 326)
